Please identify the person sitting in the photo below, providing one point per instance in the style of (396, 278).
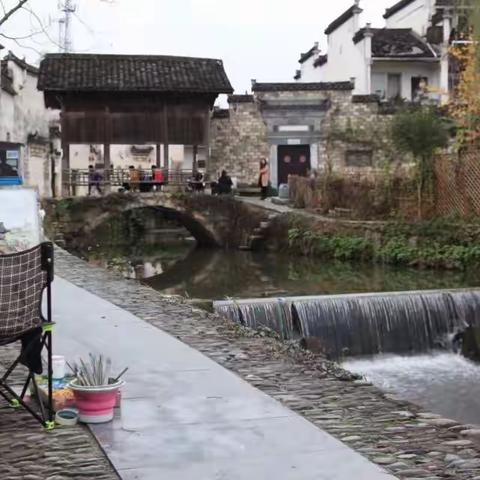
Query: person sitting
(224, 184)
(94, 180)
(196, 184)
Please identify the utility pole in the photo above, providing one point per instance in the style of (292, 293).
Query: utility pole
(67, 7)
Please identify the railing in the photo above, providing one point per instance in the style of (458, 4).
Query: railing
(73, 178)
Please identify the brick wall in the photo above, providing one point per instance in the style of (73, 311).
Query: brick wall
(238, 141)
(351, 124)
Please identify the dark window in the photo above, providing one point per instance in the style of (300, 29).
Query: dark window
(419, 85)
(358, 158)
(9, 161)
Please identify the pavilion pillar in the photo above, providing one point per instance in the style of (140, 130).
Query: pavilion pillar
(194, 161)
(158, 159)
(166, 153)
(65, 174)
(106, 151)
(106, 167)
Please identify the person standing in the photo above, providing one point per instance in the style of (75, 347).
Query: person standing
(94, 179)
(134, 178)
(224, 184)
(264, 177)
(158, 178)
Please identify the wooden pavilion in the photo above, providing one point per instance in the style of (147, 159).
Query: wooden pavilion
(132, 99)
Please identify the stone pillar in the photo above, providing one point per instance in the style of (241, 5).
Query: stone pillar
(274, 165)
(444, 61)
(368, 60)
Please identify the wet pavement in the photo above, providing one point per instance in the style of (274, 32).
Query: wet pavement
(183, 416)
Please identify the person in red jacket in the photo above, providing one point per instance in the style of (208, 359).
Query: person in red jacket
(158, 178)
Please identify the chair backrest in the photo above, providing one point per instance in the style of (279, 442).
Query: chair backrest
(23, 277)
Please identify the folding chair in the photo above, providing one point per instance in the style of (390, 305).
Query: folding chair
(23, 278)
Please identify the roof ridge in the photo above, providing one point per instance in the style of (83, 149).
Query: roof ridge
(130, 56)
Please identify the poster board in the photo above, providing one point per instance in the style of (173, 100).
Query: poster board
(20, 219)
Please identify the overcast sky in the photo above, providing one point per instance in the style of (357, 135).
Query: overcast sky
(259, 39)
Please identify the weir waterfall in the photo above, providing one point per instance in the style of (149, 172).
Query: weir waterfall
(364, 324)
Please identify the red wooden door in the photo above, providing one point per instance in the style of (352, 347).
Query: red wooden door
(293, 160)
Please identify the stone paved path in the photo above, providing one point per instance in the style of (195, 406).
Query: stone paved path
(27, 452)
(185, 417)
(407, 441)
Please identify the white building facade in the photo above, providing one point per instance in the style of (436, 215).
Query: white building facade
(25, 148)
(405, 59)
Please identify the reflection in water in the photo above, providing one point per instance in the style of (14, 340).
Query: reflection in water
(216, 274)
(446, 383)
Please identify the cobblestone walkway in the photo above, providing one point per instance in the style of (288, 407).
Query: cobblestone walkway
(399, 436)
(27, 452)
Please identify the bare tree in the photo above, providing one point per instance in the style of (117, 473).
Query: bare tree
(8, 13)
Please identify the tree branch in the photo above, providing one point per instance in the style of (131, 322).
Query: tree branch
(17, 7)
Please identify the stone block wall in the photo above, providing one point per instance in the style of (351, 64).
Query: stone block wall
(350, 127)
(238, 140)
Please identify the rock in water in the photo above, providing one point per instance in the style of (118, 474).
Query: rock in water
(471, 343)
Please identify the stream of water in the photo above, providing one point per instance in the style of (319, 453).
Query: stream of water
(168, 261)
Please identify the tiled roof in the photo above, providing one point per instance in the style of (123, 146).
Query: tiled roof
(321, 60)
(298, 75)
(305, 56)
(397, 7)
(22, 63)
(396, 43)
(132, 73)
(240, 98)
(299, 86)
(6, 81)
(338, 22)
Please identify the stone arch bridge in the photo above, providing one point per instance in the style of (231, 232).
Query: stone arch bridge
(212, 220)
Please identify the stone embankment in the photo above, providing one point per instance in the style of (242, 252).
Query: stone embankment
(400, 436)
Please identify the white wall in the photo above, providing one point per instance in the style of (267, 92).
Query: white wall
(416, 16)
(346, 59)
(310, 73)
(24, 113)
(409, 70)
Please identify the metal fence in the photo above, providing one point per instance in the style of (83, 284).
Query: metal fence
(458, 184)
(123, 178)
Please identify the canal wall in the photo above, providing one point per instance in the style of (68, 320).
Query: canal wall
(439, 243)
(406, 440)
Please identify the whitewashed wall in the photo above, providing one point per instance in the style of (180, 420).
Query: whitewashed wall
(24, 113)
(346, 59)
(416, 16)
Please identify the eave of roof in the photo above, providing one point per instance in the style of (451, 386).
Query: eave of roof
(396, 8)
(22, 63)
(345, 16)
(305, 56)
(300, 86)
(321, 60)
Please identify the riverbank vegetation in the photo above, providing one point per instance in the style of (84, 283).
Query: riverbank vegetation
(439, 243)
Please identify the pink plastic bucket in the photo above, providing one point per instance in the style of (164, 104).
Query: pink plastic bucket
(95, 404)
